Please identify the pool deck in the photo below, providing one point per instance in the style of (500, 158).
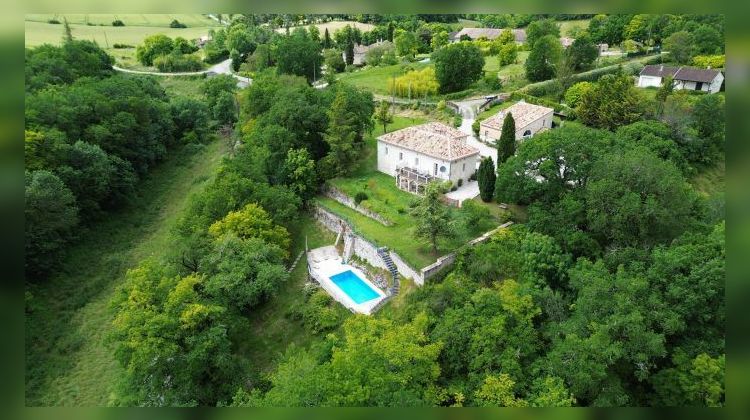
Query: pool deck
(325, 262)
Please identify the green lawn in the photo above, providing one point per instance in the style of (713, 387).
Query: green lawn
(38, 33)
(183, 85)
(375, 79)
(68, 361)
(710, 181)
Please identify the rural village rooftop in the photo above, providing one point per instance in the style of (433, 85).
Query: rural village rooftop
(432, 139)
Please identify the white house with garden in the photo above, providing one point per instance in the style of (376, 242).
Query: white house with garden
(428, 152)
(530, 119)
(683, 77)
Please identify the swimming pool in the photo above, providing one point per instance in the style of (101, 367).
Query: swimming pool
(354, 287)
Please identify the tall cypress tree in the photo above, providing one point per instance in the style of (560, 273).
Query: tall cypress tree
(506, 146)
(327, 40)
(486, 178)
(350, 52)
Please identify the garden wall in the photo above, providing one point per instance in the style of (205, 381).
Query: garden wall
(369, 252)
(334, 193)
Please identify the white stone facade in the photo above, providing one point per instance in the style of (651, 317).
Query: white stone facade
(391, 157)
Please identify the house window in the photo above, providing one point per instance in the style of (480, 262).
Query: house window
(463, 167)
(442, 169)
(435, 170)
(486, 134)
(416, 161)
(400, 155)
(386, 150)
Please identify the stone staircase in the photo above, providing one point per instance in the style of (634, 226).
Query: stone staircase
(348, 248)
(386, 257)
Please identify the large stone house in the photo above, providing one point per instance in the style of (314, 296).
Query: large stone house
(683, 77)
(529, 118)
(428, 152)
(360, 52)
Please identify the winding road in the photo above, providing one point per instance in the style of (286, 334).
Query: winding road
(224, 67)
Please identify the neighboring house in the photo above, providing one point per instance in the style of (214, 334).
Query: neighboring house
(202, 41)
(360, 52)
(529, 118)
(603, 47)
(423, 153)
(488, 33)
(683, 78)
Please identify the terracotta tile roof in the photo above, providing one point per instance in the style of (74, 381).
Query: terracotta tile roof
(432, 139)
(523, 113)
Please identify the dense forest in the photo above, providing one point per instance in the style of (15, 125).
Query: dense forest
(610, 294)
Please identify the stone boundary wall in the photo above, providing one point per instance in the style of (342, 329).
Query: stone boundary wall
(336, 194)
(369, 252)
(363, 248)
(447, 260)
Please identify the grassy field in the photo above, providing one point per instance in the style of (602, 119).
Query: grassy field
(375, 79)
(68, 361)
(183, 85)
(156, 20)
(38, 33)
(333, 26)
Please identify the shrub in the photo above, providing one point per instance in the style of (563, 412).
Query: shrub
(176, 24)
(475, 127)
(360, 197)
(54, 21)
(118, 22)
(473, 176)
(177, 63)
(415, 83)
(457, 120)
(460, 182)
(492, 82)
(121, 46)
(441, 105)
(713, 61)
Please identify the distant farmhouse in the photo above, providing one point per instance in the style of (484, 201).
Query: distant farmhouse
(683, 78)
(529, 118)
(360, 52)
(420, 154)
(488, 33)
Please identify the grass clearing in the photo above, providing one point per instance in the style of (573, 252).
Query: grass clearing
(711, 182)
(38, 33)
(68, 361)
(375, 79)
(129, 19)
(189, 86)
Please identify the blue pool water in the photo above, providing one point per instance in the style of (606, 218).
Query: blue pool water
(353, 286)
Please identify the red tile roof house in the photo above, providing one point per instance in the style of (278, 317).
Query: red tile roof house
(684, 78)
(529, 118)
(423, 153)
